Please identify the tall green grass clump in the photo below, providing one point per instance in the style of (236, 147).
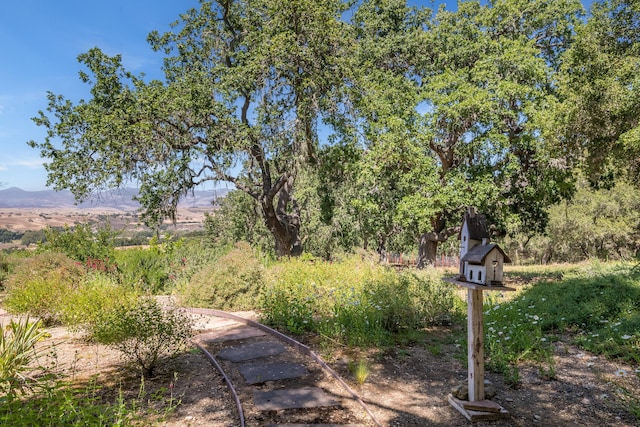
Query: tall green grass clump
(17, 351)
(597, 306)
(233, 282)
(355, 302)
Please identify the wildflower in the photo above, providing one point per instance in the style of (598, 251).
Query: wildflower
(535, 317)
(543, 339)
(620, 373)
(625, 337)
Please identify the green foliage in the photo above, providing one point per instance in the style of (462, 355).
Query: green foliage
(238, 220)
(598, 120)
(597, 305)
(144, 269)
(17, 351)
(39, 285)
(31, 237)
(233, 282)
(65, 406)
(596, 223)
(81, 243)
(8, 236)
(5, 268)
(144, 332)
(352, 301)
(98, 296)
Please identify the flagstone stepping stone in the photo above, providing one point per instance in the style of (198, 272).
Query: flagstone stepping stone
(313, 425)
(306, 397)
(251, 351)
(260, 373)
(238, 333)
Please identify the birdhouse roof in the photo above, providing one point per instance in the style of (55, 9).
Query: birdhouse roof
(477, 226)
(478, 254)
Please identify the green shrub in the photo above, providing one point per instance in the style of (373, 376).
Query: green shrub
(17, 351)
(80, 243)
(5, 268)
(99, 295)
(144, 332)
(143, 269)
(233, 282)
(39, 284)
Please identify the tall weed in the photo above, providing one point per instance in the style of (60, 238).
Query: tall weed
(356, 302)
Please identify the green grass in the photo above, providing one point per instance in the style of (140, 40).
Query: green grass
(595, 306)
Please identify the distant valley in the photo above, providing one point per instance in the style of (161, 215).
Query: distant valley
(22, 210)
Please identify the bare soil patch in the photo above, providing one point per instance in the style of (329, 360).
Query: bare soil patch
(406, 386)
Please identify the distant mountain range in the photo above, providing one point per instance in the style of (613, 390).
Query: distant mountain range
(122, 199)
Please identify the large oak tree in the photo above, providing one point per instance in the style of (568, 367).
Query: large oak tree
(247, 82)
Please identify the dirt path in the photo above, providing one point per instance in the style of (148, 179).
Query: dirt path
(406, 386)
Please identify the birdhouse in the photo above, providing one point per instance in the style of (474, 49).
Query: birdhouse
(480, 261)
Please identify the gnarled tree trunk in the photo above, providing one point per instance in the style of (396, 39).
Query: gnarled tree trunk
(284, 225)
(428, 246)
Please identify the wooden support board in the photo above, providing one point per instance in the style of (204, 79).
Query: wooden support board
(473, 415)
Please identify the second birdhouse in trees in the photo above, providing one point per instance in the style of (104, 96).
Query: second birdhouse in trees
(480, 261)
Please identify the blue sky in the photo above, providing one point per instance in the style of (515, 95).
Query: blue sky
(39, 43)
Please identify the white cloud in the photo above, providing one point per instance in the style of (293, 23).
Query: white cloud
(29, 163)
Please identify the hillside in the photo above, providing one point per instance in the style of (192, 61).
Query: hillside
(116, 199)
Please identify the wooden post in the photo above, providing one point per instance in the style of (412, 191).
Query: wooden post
(476, 408)
(475, 344)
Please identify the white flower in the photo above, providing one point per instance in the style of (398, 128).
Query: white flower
(535, 317)
(543, 339)
(626, 337)
(621, 373)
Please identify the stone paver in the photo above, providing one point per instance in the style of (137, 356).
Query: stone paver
(306, 397)
(313, 425)
(260, 373)
(251, 351)
(237, 333)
